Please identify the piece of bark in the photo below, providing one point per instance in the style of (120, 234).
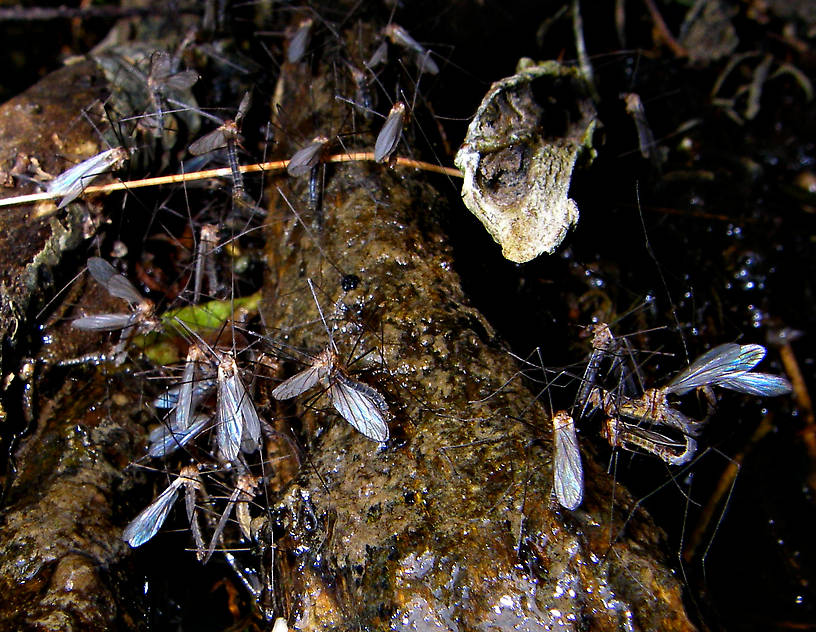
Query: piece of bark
(34, 246)
(453, 525)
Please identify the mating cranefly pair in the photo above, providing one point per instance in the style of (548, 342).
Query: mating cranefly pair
(728, 366)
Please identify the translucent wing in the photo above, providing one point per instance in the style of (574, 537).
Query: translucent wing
(567, 469)
(184, 409)
(243, 108)
(165, 440)
(426, 64)
(380, 56)
(389, 136)
(361, 406)
(115, 284)
(217, 139)
(161, 66)
(70, 183)
(181, 80)
(298, 383)
(251, 430)
(719, 363)
(398, 35)
(147, 524)
(103, 322)
(306, 158)
(230, 425)
(300, 41)
(101, 270)
(170, 398)
(120, 287)
(761, 384)
(163, 77)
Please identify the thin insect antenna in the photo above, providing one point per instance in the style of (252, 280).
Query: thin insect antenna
(320, 311)
(315, 241)
(58, 294)
(358, 106)
(199, 340)
(84, 114)
(681, 544)
(652, 254)
(186, 107)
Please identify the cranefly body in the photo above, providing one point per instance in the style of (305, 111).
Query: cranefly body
(228, 136)
(635, 438)
(602, 342)
(568, 473)
(400, 37)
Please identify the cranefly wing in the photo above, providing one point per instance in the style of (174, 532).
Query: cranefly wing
(147, 524)
(389, 136)
(761, 384)
(103, 322)
(230, 424)
(722, 362)
(298, 383)
(360, 405)
(184, 408)
(217, 139)
(115, 284)
(568, 473)
(165, 440)
(70, 183)
(306, 157)
(251, 425)
(170, 397)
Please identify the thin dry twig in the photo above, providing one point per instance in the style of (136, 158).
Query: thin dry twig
(267, 167)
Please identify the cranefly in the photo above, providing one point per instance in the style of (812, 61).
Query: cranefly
(227, 135)
(238, 427)
(142, 309)
(359, 404)
(147, 524)
(728, 366)
(307, 157)
(635, 438)
(162, 78)
(71, 183)
(400, 37)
